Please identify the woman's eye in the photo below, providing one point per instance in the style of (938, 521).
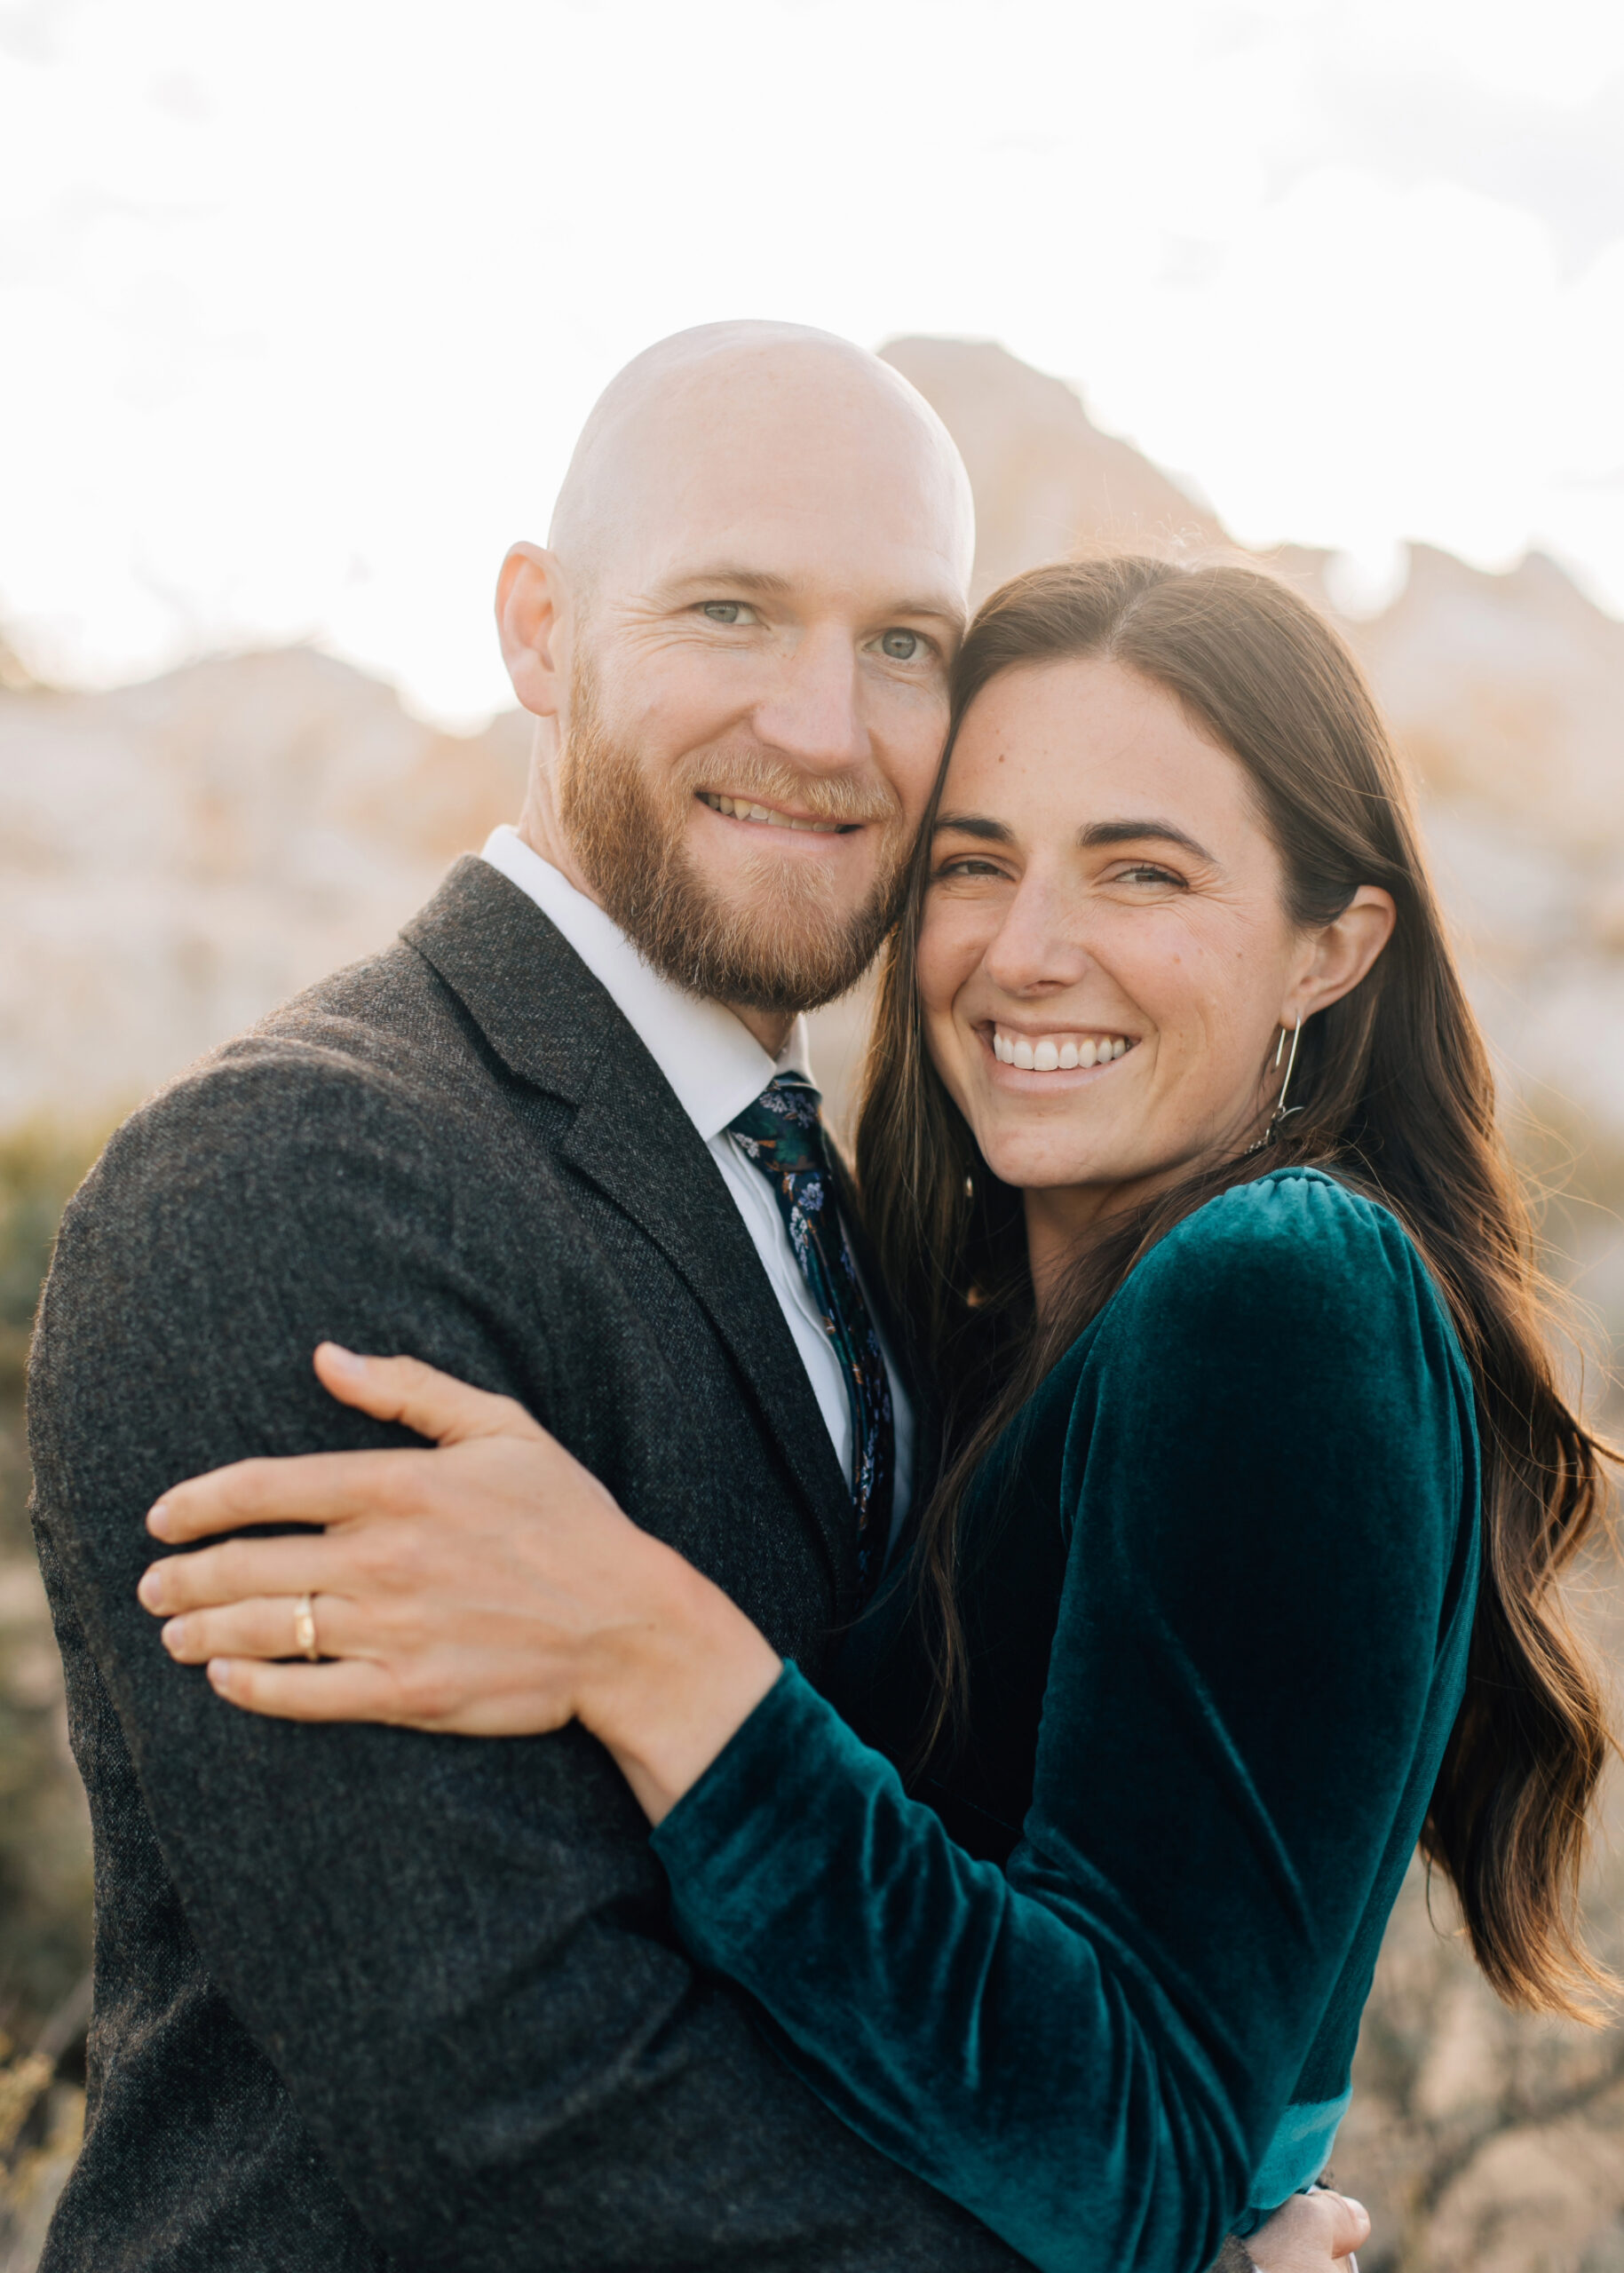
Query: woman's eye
(1146, 873)
(903, 647)
(728, 611)
(968, 866)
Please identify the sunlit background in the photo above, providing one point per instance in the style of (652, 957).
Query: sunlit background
(301, 306)
(300, 309)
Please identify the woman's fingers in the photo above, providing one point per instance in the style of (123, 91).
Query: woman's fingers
(337, 1487)
(306, 1488)
(432, 1404)
(350, 1689)
(448, 1691)
(266, 1625)
(1313, 2232)
(237, 1572)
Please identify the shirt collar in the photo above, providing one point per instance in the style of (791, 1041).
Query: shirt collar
(712, 1061)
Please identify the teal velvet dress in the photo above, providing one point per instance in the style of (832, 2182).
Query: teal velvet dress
(1100, 1981)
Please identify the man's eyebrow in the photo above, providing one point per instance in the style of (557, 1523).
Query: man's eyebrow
(759, 581)
(1101, 833)
(975, 825)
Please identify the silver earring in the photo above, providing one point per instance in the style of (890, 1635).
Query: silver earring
(1282, 1111)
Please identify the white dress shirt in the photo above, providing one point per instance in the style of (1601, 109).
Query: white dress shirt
(716, 1067)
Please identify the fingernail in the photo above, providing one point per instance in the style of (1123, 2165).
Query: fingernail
(172, 1633)
(219, 1675)
(159, 1517)
(149, 1588)
(342, 1360)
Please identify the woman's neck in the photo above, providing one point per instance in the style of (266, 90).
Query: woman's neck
(1059, 1218)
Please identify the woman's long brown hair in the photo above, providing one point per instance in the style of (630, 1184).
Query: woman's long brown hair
(1398, 1100)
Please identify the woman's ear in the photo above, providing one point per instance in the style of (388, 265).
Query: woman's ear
(530, 595)
(1340, 954)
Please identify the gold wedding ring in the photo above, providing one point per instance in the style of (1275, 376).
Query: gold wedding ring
(305, 1629)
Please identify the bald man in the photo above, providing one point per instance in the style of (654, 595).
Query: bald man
(369, 1999)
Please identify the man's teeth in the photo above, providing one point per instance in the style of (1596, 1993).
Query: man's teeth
(742, 809)
(1056, 1053)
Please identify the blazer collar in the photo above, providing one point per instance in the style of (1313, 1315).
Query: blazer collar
(556, 1027)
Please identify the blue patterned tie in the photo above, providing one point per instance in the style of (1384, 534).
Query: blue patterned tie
(783, 1132)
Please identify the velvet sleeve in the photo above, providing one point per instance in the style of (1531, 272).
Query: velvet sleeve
(1091, 2048)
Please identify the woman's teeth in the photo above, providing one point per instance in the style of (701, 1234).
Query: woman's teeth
(742, 809)
(1056, 1053)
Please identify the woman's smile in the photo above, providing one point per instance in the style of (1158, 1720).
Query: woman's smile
(1019, 1049)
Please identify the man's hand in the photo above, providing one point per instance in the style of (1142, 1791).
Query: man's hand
(1313, 2233)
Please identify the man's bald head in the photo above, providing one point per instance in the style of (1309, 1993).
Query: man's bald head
(743, 404)
(738, 647)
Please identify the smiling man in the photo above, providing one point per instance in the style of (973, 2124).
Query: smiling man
(369, 1999)
(737, 646)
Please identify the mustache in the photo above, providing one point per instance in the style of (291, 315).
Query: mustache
(749, 772)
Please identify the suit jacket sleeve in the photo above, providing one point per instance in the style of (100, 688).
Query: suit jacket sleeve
(456, 1954)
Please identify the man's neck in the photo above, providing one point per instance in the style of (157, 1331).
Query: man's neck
(538, 828)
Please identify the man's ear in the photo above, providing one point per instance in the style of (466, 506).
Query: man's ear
(530, 596)
(1340, 954)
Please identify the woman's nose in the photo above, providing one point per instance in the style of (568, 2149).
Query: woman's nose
(1040, 945)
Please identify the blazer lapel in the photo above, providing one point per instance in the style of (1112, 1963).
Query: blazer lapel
(555, 1027)
(632, 1139)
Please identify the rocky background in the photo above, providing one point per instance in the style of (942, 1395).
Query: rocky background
(176, 857)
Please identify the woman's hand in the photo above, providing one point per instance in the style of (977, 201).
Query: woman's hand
(1314, 2233)
(490, 1587)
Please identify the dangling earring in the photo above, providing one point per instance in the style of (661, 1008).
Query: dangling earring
(1282, 1111)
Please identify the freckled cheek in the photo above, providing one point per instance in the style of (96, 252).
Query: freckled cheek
(953, 942)
(950, 952)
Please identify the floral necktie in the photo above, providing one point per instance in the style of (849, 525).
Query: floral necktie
(783, 1133)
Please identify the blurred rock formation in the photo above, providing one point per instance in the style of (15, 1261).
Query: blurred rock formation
(176, 858)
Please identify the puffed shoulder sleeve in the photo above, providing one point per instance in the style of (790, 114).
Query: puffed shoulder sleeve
(1263, 1483)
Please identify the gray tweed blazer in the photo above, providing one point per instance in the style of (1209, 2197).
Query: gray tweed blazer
(367, 1998)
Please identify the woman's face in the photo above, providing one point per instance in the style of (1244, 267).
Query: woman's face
(1106, 961)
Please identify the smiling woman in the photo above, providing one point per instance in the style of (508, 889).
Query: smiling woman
(1279, 890)
(1058, 924)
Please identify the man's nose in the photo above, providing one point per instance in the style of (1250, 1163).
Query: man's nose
(814, 714)
(1040, 945)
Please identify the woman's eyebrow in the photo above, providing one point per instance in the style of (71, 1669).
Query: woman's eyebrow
(1100, 833)
(978, 825)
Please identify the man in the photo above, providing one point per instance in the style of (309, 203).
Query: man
(367, 1998)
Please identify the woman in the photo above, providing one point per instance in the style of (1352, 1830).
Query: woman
(1178, 1153)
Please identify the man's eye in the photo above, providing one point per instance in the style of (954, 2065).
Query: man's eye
(728, 611)
(901, 647)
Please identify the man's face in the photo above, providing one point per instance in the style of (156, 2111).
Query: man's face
(759, 697)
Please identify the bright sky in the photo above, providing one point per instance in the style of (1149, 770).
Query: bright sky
(301, 306)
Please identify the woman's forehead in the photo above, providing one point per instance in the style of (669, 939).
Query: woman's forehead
(1061, 741)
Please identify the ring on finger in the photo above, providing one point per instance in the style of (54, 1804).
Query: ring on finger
(305, 1629)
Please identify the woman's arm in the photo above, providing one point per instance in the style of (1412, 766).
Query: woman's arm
(1047, 2048)
(1093, 2049)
